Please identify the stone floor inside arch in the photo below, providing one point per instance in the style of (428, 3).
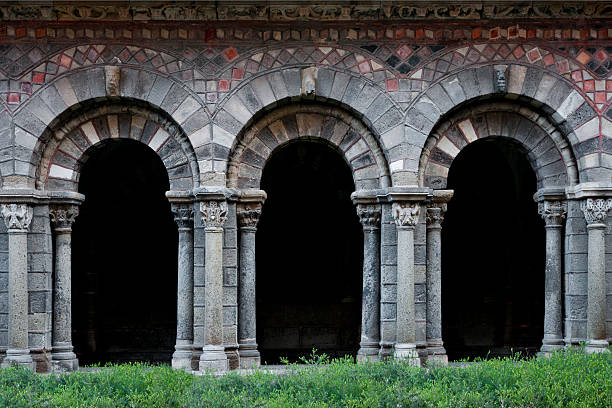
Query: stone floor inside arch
(219, 185)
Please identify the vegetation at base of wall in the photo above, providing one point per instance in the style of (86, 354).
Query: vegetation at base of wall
(566, 379)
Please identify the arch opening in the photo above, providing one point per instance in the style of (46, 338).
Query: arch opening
(124, 257)
(309, 255)
(493, 254)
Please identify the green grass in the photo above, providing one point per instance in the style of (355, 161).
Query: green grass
(566, 379)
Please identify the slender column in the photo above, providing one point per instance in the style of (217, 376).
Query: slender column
(369, 215)
(62, 218)
(433, 332)
(248, 217)
(596, 212)
(214, 215)
(406, 216)
(183, 216)
(17, 218)
(553, 213)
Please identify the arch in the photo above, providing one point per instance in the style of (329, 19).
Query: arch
(348, 135)
(354, 93)
(77, 90)
(547, 151)
(69, 146)
(564, 108)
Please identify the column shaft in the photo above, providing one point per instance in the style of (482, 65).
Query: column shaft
(247, 329)
(214, 214)
(596, 212)
(369, 345)
(17, 218)
(406, 217)
(433, 331)
(181, 359)
(553, 213)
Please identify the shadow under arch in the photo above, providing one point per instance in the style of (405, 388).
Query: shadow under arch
(124, 250)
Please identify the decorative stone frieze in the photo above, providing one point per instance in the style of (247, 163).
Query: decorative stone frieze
(406, 214)
(214, 213)
(16, 216)
(596, 209)
(297, 11)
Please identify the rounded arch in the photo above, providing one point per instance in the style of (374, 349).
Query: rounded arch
(564, 111)
(345, 133)
(351, 92)
(78, 90)
(66, 146)
(547, 150)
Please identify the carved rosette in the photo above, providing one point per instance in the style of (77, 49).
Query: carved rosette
(406, 214)
(596, 209)
(553, 212)
(63, 216)
(369, 215)
(183, 215)
(248, 215)
(16, 216)
(214, 213)
(435, 215)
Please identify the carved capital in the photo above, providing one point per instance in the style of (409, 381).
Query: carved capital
(553, 212)
(183, 215)
(214, 213)
(248, 214)
(596, 209)
(435, 215)
(369, 215)
(63, 216)
(16, 216)
(406, 214)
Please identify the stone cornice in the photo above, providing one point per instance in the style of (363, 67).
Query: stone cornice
(293, 10)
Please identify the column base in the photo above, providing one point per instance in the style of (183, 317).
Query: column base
(368, 351)
(213, 359)
(18, 357)
(550, 344)
(248, 356)
(597, 346)
(196, 353)
(407, 352)
(181, 358)
(63, 359)
(436, 354)
(385, 352)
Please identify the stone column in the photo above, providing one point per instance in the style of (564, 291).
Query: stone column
(596, 212)
(433, 332)
(553, 213)
(214, 215)
(369, 215)
(17, 218)
(183, 216)
(62, 218)
(248, 216)
(406, 215)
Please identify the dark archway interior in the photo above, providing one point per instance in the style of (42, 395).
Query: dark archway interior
(493, 254)
(124, 258)
(309, 256)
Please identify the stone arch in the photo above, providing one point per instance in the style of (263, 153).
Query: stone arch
(364, 99)
(80, 89)
(565, 112)
(547, 150)
(341, 130)
(70, 145)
